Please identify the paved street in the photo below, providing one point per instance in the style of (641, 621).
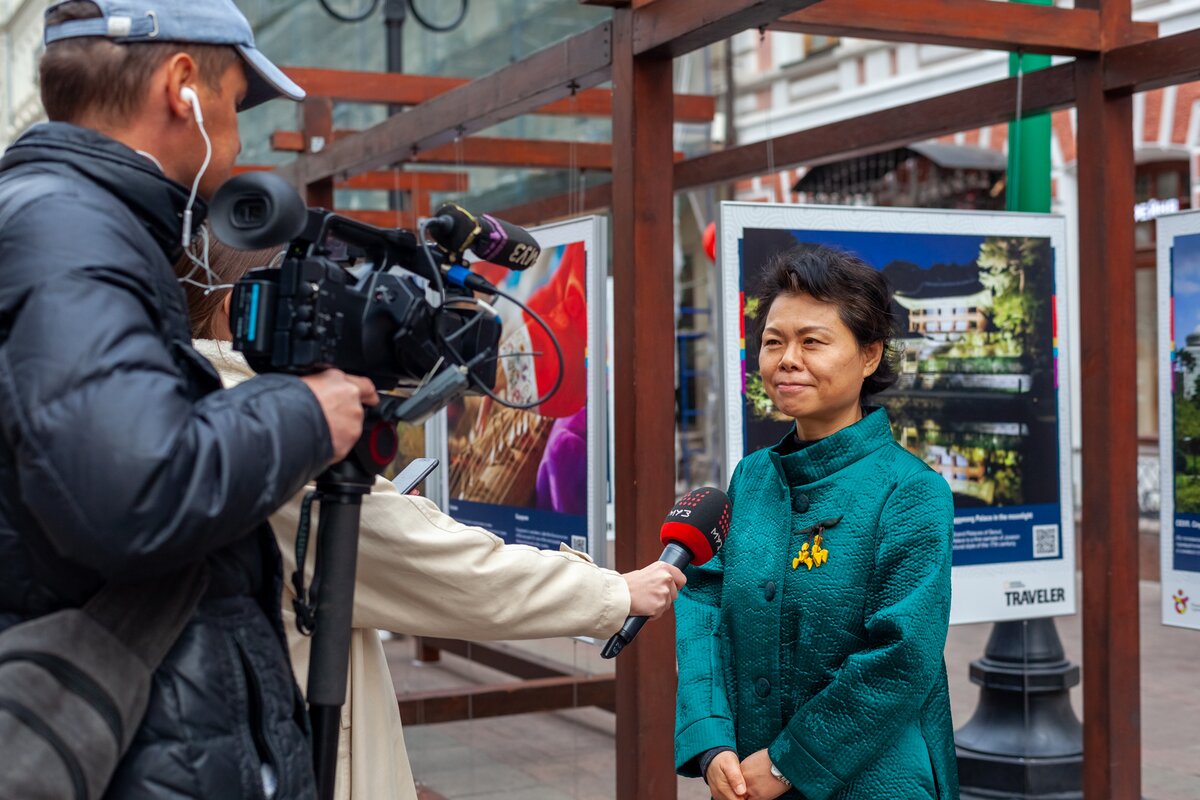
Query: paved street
(571, 755)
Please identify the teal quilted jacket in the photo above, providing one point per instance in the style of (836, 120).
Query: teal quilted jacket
(818, 631)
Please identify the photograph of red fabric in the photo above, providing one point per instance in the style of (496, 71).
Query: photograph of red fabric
(562, 302)
(533, 458)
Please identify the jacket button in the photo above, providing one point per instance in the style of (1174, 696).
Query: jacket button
(769, 591)
(800, 503)
(762, 687)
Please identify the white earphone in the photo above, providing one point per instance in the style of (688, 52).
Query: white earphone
(189, 94)
(209, 280)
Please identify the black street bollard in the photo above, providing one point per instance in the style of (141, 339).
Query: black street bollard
(1024, 741)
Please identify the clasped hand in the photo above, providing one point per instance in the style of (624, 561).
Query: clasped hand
(749, 780)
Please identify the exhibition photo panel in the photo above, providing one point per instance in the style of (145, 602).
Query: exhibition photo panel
(979, 352)
(537, 475)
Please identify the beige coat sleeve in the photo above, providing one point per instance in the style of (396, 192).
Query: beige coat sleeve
(422, 573)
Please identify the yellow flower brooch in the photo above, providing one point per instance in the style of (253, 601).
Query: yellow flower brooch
(817, 554)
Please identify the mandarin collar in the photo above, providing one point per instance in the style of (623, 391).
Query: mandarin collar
(835, 452)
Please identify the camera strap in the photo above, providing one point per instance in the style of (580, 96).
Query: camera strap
(303, 603)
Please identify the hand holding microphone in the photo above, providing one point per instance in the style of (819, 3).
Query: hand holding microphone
(653, 588)
(694, 530)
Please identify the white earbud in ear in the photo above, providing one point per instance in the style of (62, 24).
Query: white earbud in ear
(188, 94)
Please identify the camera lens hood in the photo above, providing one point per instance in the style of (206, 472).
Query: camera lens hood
(257, 210)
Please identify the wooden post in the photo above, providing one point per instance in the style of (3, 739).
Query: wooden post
(316, 115)
(1111, 681)
(424, 652)
(644, 361)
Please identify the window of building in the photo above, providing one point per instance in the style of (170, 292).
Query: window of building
(788, 48)
(813, 44)
(1161, 187)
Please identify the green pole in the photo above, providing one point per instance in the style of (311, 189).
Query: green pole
(1028, 187)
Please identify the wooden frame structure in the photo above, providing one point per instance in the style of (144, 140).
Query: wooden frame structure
(325, 86)
(1113, 58)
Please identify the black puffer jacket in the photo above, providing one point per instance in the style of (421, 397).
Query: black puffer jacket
(121, 458)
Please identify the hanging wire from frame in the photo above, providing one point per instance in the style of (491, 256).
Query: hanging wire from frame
(1012, 198)
(572, 153)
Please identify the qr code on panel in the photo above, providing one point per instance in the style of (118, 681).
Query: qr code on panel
(1045, 541)
(579, 543)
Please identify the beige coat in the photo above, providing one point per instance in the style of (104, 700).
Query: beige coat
(422, 573)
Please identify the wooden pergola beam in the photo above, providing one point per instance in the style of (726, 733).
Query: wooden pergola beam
(495, 700)
(959, 23)
(1131, 68)
(535, 212)
(1136, 67)
(578, 62)
(350, 86)
(293, 141)
(497, 657)
(387, 218)
(1150, 65)
(316, 118)
(644, 354)
(676, 27)
(990, 103)
(386, 181)
(1112, 742)
(402, 181)
(486, 151)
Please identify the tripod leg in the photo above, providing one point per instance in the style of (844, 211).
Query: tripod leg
(337, 559)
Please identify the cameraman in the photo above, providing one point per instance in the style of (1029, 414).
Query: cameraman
(421, 572)
(120, 458)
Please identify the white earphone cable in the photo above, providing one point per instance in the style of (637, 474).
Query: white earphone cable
(211, 282)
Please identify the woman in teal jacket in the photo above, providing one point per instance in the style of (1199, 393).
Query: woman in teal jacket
(810, 648)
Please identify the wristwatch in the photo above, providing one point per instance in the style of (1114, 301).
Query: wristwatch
(779, 776)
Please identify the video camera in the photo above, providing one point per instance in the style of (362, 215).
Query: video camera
(336, 301)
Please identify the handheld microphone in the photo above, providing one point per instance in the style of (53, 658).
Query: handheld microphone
(457, 230)
(694, 530)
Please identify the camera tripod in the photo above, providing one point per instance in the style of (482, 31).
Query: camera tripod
(340, 489)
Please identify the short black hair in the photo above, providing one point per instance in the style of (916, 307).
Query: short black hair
(94, 74)
(862, 295)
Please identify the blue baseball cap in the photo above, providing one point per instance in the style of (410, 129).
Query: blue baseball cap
(186, 21)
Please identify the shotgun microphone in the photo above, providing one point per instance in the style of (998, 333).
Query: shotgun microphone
(694, 530)
(457, 230)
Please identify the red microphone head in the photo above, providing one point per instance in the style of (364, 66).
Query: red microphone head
(699, 522)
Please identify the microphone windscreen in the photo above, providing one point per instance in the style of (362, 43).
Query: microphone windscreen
(501, 243)
(506, 244)
(699, 522)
